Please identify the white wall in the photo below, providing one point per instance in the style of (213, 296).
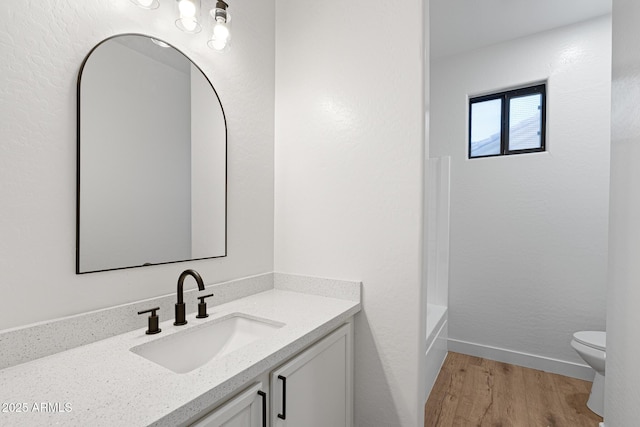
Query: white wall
(623, 294)
(44, 45)
(529, 232)
(349, 174)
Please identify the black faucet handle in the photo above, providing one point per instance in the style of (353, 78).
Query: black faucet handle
(202, 298)
(153, 321)
(202, 307)
(151, 310)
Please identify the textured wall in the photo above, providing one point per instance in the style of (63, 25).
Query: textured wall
(623, 294)
(42, 44)
(529, 232)
(349, 166)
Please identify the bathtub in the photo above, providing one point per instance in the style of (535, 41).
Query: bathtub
(436, 342)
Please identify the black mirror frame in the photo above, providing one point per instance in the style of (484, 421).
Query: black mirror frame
(226, 160)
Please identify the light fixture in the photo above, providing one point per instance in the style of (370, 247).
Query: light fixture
(146, 4)
(220, 22)
(188, 20)
(188, 16)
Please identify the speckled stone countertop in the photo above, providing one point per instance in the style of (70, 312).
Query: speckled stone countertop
(105, 384)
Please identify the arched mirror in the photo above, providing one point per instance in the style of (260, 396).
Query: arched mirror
(152, 147)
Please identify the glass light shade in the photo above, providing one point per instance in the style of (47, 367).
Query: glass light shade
(146, 4)
(221, 29)
(188, 16)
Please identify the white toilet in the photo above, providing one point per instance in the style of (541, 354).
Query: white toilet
(591, 346)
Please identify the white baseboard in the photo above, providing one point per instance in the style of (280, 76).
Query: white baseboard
(547, 364)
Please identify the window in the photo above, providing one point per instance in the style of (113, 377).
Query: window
(511, 122)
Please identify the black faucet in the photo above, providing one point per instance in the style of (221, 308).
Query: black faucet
(180, 306)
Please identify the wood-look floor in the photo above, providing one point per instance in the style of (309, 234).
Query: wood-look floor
(471, 391)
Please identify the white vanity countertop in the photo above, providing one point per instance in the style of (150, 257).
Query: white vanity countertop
(105, 384)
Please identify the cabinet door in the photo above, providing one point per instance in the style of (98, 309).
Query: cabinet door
(246, 410)
(314, 389)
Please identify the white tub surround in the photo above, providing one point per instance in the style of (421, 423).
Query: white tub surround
(436, 259)
(437, 346)
(104, 383)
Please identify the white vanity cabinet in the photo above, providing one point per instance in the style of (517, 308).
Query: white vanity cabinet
(315, 388)
(249, 409)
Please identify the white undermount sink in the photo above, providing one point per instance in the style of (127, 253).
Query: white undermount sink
(187, 350)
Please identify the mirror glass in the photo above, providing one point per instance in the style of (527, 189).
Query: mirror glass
(152, 144)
